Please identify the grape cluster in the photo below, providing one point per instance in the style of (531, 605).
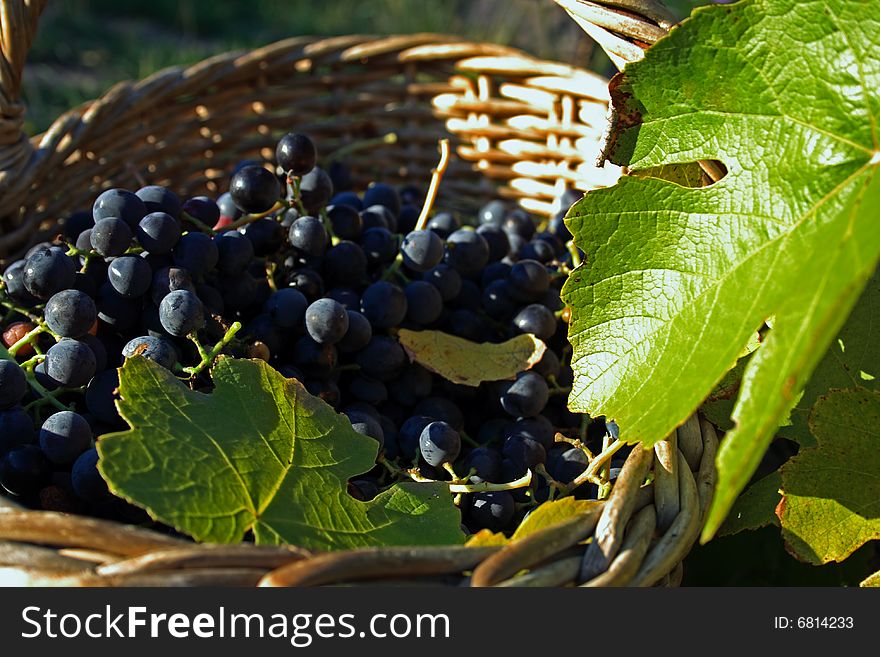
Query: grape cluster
(316, 281)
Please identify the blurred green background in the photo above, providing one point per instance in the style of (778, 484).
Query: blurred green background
(85, 46)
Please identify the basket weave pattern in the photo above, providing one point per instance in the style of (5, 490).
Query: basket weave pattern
(522, 127)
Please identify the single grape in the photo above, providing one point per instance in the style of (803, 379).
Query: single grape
(423, 302)
(296, 154)
(492, 214)
(16, 429)
(537, 320)
(421, 250)
(445, 279)
(444, 224)
(518, 222)
(158, 199)
(158, 350)
(378, 216)
(379, 245)
(496, 300)
(266, 235)
(526, 396)
(528, 281)
(76, 223)
(567, 465)
(326, 321)
(441, 409)
(349, 299)
(496, 240)
(383, 358)
(100, 396)
(254, 190)
(87, 482)
(345, 264)
(98, 348)
(467, 251)
(537, 428)
(439, 443)
(408, 218)
(130, 276)
(169, 279)
(286, 307)
(413, 384)
(313, 358)
(539, 250)
(307, 281)
(383, 304)
(196, 252)
(261, 329)
(181, 313)
(228, 208)
(358, 335)
(234, 252)
(47, 272)
(384, 195)
(119, 203)
(158, 232)
(524, 452)
(368, 390)
(202, 208)
(485, 462)
(64, 436)
(345, 221)
(316, 190)
(309, 236)
(110, 236)
(492, 510)
(70, 313)
(366, 425)
(347, 198)
(410, 433)
(13, 384)
(24, 470)
(13, 278)
(71, 363)
(549, 365)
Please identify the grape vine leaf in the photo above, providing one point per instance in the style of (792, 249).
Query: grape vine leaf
(872, 582)
(545, 515)
(831, 503)
(756, 507)
(677, 280)
(470, 363)
(853, 359)
(258, 453)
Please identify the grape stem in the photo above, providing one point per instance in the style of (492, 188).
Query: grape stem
(205, 228)
(28, 338)
(436, 177)
(251, 218)
(596, 464)
(209, 356)
(294, 182)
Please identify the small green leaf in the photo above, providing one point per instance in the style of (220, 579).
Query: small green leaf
(259, 453)
(470, 363)
(756, 507)
(784, 94)
(872, 582)
(832, 492)
(545, 515)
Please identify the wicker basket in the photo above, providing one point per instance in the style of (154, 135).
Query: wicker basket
(522, 127)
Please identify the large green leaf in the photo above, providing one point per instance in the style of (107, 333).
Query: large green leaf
(677, 280)
(258, 453)
(831, 503)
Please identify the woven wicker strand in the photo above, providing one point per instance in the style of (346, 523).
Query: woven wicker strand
(522, 128)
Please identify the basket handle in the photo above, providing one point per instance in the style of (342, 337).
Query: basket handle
(18, 26)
